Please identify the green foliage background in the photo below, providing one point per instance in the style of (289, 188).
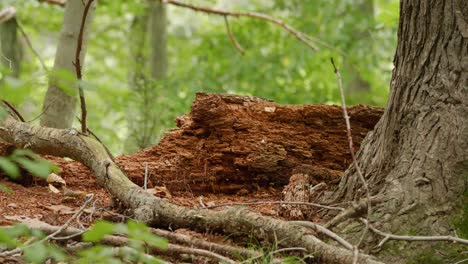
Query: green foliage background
(201, 57)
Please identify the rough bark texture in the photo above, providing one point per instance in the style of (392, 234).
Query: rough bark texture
(230, 143)
(417, 157)
(155, 211)
(59, 107)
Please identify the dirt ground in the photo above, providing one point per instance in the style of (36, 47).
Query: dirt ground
(228, 149)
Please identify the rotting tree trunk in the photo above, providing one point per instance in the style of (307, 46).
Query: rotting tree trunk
(416, 159)
(155, 211)
(59, 107)
(230, 143)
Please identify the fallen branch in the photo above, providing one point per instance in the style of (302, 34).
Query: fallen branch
(155, 211)
(388, 236)
(327, 232)
(277, 202)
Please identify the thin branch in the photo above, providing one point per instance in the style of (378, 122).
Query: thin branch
(28, 42)
(325, 231)
(53, 2)
(302, 37)
(233, 39)
(388, 236)
(13, 109)
(351, 149)
(277, 202)
(355, 210)
(78, 66)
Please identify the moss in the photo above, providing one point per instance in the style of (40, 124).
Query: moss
(439, 253)
(460, 221)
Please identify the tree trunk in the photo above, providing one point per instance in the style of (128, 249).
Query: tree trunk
(416, 159)
(59, 106)
(10, 52)
(157, 30)
(147, 69)
(352, 77)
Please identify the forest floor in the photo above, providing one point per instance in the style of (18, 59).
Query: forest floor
(227, 150)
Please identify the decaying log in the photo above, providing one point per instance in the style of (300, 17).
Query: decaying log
(158, 212)
(228, 143)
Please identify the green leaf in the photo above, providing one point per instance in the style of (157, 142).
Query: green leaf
(37, 168)
(98, 231)
(36, 253)
(139, 231)
(9, 167)
(7, 240)
(65, 81)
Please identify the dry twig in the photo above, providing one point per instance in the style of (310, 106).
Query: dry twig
(78, 65)
(232, 37)
(355, 162)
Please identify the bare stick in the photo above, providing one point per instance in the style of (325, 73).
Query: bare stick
(53, 2)
(355, 210)
(325, 231)
(12, 108)
(233, 38)
(277, 202)
(388, 236)
(298, 34)
(356, 165)
(145, 185)
(78, 66)
(33, 50)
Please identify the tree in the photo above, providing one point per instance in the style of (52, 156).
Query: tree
(10, 47)
(418, 184)
(60, 102)
(148, 51)
(416, 159)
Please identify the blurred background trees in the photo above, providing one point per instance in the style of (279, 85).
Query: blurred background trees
(145, 62)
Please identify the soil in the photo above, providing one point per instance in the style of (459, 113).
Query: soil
(228, 149)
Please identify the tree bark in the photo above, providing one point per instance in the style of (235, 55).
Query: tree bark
(157, 212)
(150, 65)
(10, 52)
(416, 159)
(158, 37)
(353, 80)
(59, 106)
